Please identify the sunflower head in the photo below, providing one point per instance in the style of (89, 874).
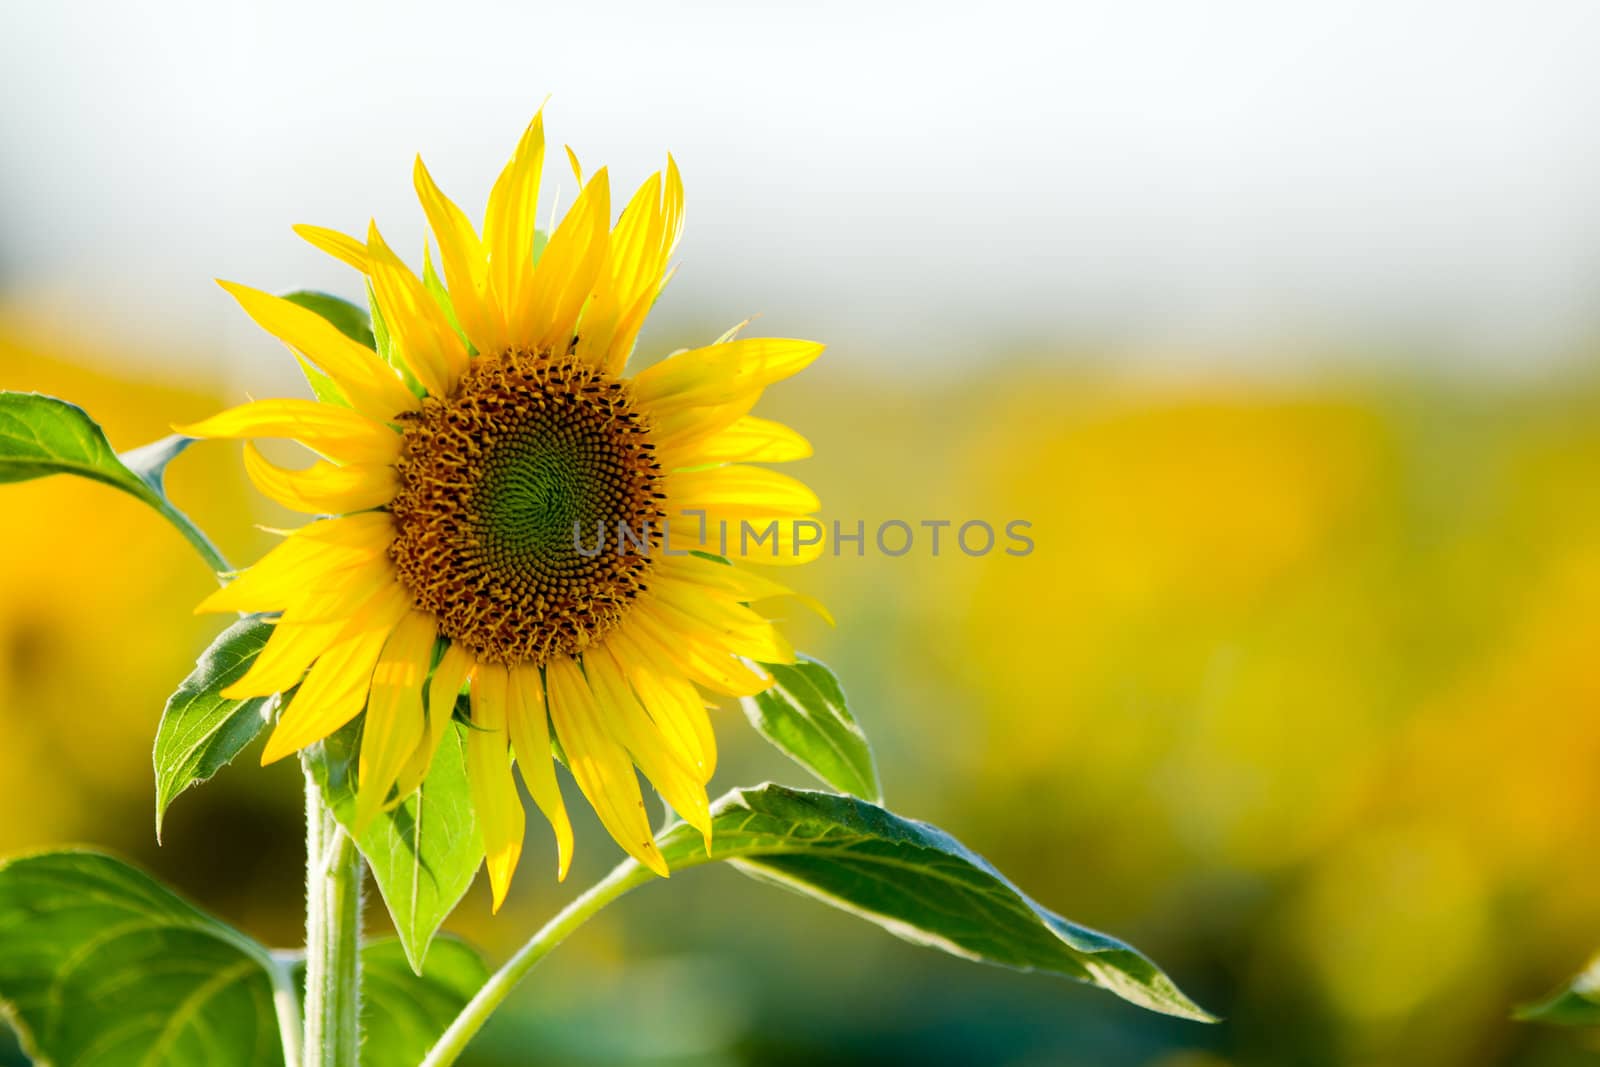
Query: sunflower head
(501, 511)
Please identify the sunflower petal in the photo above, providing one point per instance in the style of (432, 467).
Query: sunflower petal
(530, 737)
(746, 440)
(670, 766)
(721, 374)
(465, 265)
(369, 383)
(738, 491)
(322, 488)
(335, 689)
(509, 222)
(494, 790)
(443, 688)
(305, 560)
(600, 766)
(566, 272)
(394, 725)
(418, 326)
(338, 245)
(672, 701)
(340, 434)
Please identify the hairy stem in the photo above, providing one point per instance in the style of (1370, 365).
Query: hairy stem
(334, 873)
(499, 986)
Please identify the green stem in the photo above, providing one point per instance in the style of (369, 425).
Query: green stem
(195, 536)
(499, 986)
(286, 1004)
(334, 874)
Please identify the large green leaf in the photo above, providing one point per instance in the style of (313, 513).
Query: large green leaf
(425, 851)
(101, 966)
(917, 882)
(41, 435)
(1575, 1004)
(202, 731)
(804, 714)
(403, 1015)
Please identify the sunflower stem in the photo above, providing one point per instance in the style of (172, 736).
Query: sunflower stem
(499, 986)
(334, 874)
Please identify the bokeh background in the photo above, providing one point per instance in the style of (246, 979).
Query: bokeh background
(1280, 324)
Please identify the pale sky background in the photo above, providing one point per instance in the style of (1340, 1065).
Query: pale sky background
(919, 182)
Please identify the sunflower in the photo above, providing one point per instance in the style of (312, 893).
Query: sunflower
(465, 487)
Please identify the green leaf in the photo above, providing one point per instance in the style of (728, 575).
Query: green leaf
(102, 965)
(804, 714)
(202, 731)
(403, 1015)
(917, 882)
(41, 435)
(423, 852)
(1575, 1004)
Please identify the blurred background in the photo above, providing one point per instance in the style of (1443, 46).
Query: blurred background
(1280, 323)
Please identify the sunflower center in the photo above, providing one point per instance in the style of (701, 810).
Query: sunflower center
(511, 495)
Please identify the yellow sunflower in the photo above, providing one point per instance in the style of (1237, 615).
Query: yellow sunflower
(502, 508)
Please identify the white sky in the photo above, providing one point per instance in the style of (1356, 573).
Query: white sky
(1171, 174)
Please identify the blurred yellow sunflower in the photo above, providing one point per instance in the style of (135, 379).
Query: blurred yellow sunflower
(464, 500)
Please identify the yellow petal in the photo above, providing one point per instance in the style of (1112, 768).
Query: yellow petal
(465, 263)
(369, 383)
(741, 582)
(443, 688)
(746, 440)
(494, 790)
(418, 326)
(394, 725)
(670, 765)
(306, 559)
(322, 488)
(736, 491)
(600, 766)
(678, 432)
(339, 246)
(509, 223)
(720, 374)
(634, 265)
(715, 621)
(296, 641)
(772, 542)
(691, 656)
(340, 434)
(530, 737)
(671, 699)
(335, 689)
(566, 272)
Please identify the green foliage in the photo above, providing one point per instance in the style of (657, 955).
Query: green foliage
(402, 1015)
(41, 435)
(202, 731)
(804, 714)
(424, 851)
(1575, 1004)
(104, 966)
(917, 882)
